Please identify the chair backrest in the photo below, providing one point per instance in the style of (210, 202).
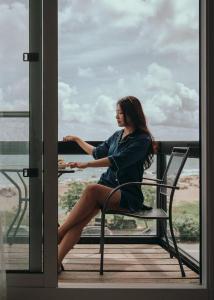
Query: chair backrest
(174, 168)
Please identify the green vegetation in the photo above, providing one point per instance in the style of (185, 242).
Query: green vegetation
(149, 195)
(186, 221)
(185, 214)
(188, 228)
(68, 200)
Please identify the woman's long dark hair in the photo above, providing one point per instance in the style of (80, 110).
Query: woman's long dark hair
(134, 115)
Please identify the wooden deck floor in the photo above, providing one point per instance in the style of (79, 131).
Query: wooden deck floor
(123, 264)
(16, 256)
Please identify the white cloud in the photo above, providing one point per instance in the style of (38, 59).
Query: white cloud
(190, 98)
(121, 83)
(169, 102)
(154, 114)
(86, 72)
(71, 110)
(14, 40)
(178, 32)
(111, 69)
(1, 95)
(158, 77)
(165, 101)
(128, 13)
(111, 42)
(187, 14)
(14, 21)
(15, 96)
(104, 110)
(5, 105)
(158, 26)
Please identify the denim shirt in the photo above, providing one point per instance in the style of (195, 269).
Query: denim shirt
(127, 157)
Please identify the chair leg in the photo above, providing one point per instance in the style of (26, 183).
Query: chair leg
(102, 237)
(176, 248)
(100, 240)
(163, 223)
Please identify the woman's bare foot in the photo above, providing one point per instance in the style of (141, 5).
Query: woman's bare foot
(60, 268)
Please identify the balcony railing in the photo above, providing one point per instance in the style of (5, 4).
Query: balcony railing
(164, 149)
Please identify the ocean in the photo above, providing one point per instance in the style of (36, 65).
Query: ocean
(21, 161)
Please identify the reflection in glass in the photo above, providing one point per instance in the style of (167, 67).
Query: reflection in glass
(14, 97)
(14, 197)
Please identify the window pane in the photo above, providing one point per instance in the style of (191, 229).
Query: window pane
(14, 129)
(71, 187)
(14, 133)
(14, 35)
(186, 209)
(14, 197)
(110, 49)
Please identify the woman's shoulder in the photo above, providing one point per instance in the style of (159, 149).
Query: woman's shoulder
(142, 135)
(142, 139)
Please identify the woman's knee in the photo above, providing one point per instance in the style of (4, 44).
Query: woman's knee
(96, 193)
(92, 189)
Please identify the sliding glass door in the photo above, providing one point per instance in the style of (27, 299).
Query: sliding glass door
(21, 153)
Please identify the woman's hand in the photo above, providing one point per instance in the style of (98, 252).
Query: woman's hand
(79, 165)
(84, 145)
(62, 164)
(70, 138)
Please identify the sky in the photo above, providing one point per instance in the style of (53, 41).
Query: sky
(109, 49)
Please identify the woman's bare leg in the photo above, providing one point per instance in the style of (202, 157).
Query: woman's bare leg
(72, 237)
(80, 216)
(92, 198)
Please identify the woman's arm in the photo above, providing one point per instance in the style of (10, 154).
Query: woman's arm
(84, 145)
(102, 162)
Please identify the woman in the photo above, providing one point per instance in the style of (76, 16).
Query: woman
(126, 154)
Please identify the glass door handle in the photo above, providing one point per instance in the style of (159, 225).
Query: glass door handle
(33, 56)
(32, 172)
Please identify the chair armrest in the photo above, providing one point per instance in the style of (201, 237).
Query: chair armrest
(136, 183)
(153, 179)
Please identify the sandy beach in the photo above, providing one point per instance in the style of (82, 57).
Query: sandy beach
(189, 191)
(189, 188)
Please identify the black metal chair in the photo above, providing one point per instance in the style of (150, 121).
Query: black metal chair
(166, 188)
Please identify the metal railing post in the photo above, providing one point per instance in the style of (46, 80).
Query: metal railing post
(161, 202)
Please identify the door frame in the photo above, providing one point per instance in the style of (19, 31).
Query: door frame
(205, 291)
(44, 29)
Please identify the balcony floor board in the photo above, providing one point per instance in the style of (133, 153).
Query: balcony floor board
(123, 264)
